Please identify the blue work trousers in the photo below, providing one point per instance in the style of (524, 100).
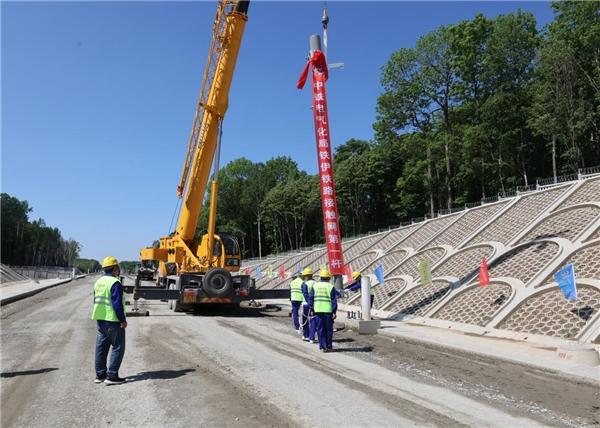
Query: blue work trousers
(309, 325)
(109, 334)
(295, 313)
(325, 330)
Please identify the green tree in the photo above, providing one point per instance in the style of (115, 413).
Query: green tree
(87, 265)
(419, 86)
(13, 222)
(566, 108)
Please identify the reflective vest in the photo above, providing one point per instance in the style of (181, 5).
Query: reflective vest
(322, 299)
(103, 309)
(309, 286)
(296, 290)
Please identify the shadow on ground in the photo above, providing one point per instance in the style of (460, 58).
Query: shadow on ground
(235, 312)
(28, 372)
(159, 374)
(362, 349)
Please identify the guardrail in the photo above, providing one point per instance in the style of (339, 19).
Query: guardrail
(525, 189)
(546, 183)
(44, 272)
(588, 172)
(446, 211)
(472, 204)
(489, 199)
(511, 193)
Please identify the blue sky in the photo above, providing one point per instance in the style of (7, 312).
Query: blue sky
(98, 98)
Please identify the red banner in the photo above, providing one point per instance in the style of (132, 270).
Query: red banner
(331, 224)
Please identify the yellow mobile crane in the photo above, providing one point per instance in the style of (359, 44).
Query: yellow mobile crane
(193, 272)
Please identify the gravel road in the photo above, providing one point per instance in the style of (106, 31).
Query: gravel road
(248, 369)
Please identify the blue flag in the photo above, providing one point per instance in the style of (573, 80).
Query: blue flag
(258, 271)
(566, 281)
(379, 273)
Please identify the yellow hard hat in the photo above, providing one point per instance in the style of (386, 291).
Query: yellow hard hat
(307, 271)
(109, 261)
(324, 273)
(355, 275)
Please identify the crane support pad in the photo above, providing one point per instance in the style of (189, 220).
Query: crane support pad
(269, 294)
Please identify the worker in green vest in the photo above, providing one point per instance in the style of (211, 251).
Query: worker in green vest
(309, 323)
(296, 299)
(323, 303)
(109, 314)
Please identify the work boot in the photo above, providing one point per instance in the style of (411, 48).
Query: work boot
(115, 380)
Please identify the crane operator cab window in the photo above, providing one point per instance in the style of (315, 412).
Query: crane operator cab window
(217, 248)
(232, 250)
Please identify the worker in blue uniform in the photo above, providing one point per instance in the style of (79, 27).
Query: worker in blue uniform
(355, 286)
(323, 304)
(308, 322)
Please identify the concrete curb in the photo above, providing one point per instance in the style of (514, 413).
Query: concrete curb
(21, 296)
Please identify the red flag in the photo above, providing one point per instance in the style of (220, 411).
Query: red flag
(484, 275)
(282, 272)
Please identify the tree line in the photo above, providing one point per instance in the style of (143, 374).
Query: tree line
(473, 109)
(485, 105)
(32, 243)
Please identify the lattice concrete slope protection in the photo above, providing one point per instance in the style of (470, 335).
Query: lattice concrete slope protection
(315, 260)
(525, 239)
(475, 305)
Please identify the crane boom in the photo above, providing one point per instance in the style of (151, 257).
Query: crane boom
(180, 248)
(212, 105)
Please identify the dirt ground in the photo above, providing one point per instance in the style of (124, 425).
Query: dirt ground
(248, 368)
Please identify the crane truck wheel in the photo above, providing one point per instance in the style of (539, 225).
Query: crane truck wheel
(218, 283)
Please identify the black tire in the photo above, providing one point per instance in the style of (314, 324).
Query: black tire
(217, 283)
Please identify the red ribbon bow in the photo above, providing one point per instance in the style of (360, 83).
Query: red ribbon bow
(318, 61)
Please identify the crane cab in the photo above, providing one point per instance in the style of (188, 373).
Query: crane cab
(226, 252)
